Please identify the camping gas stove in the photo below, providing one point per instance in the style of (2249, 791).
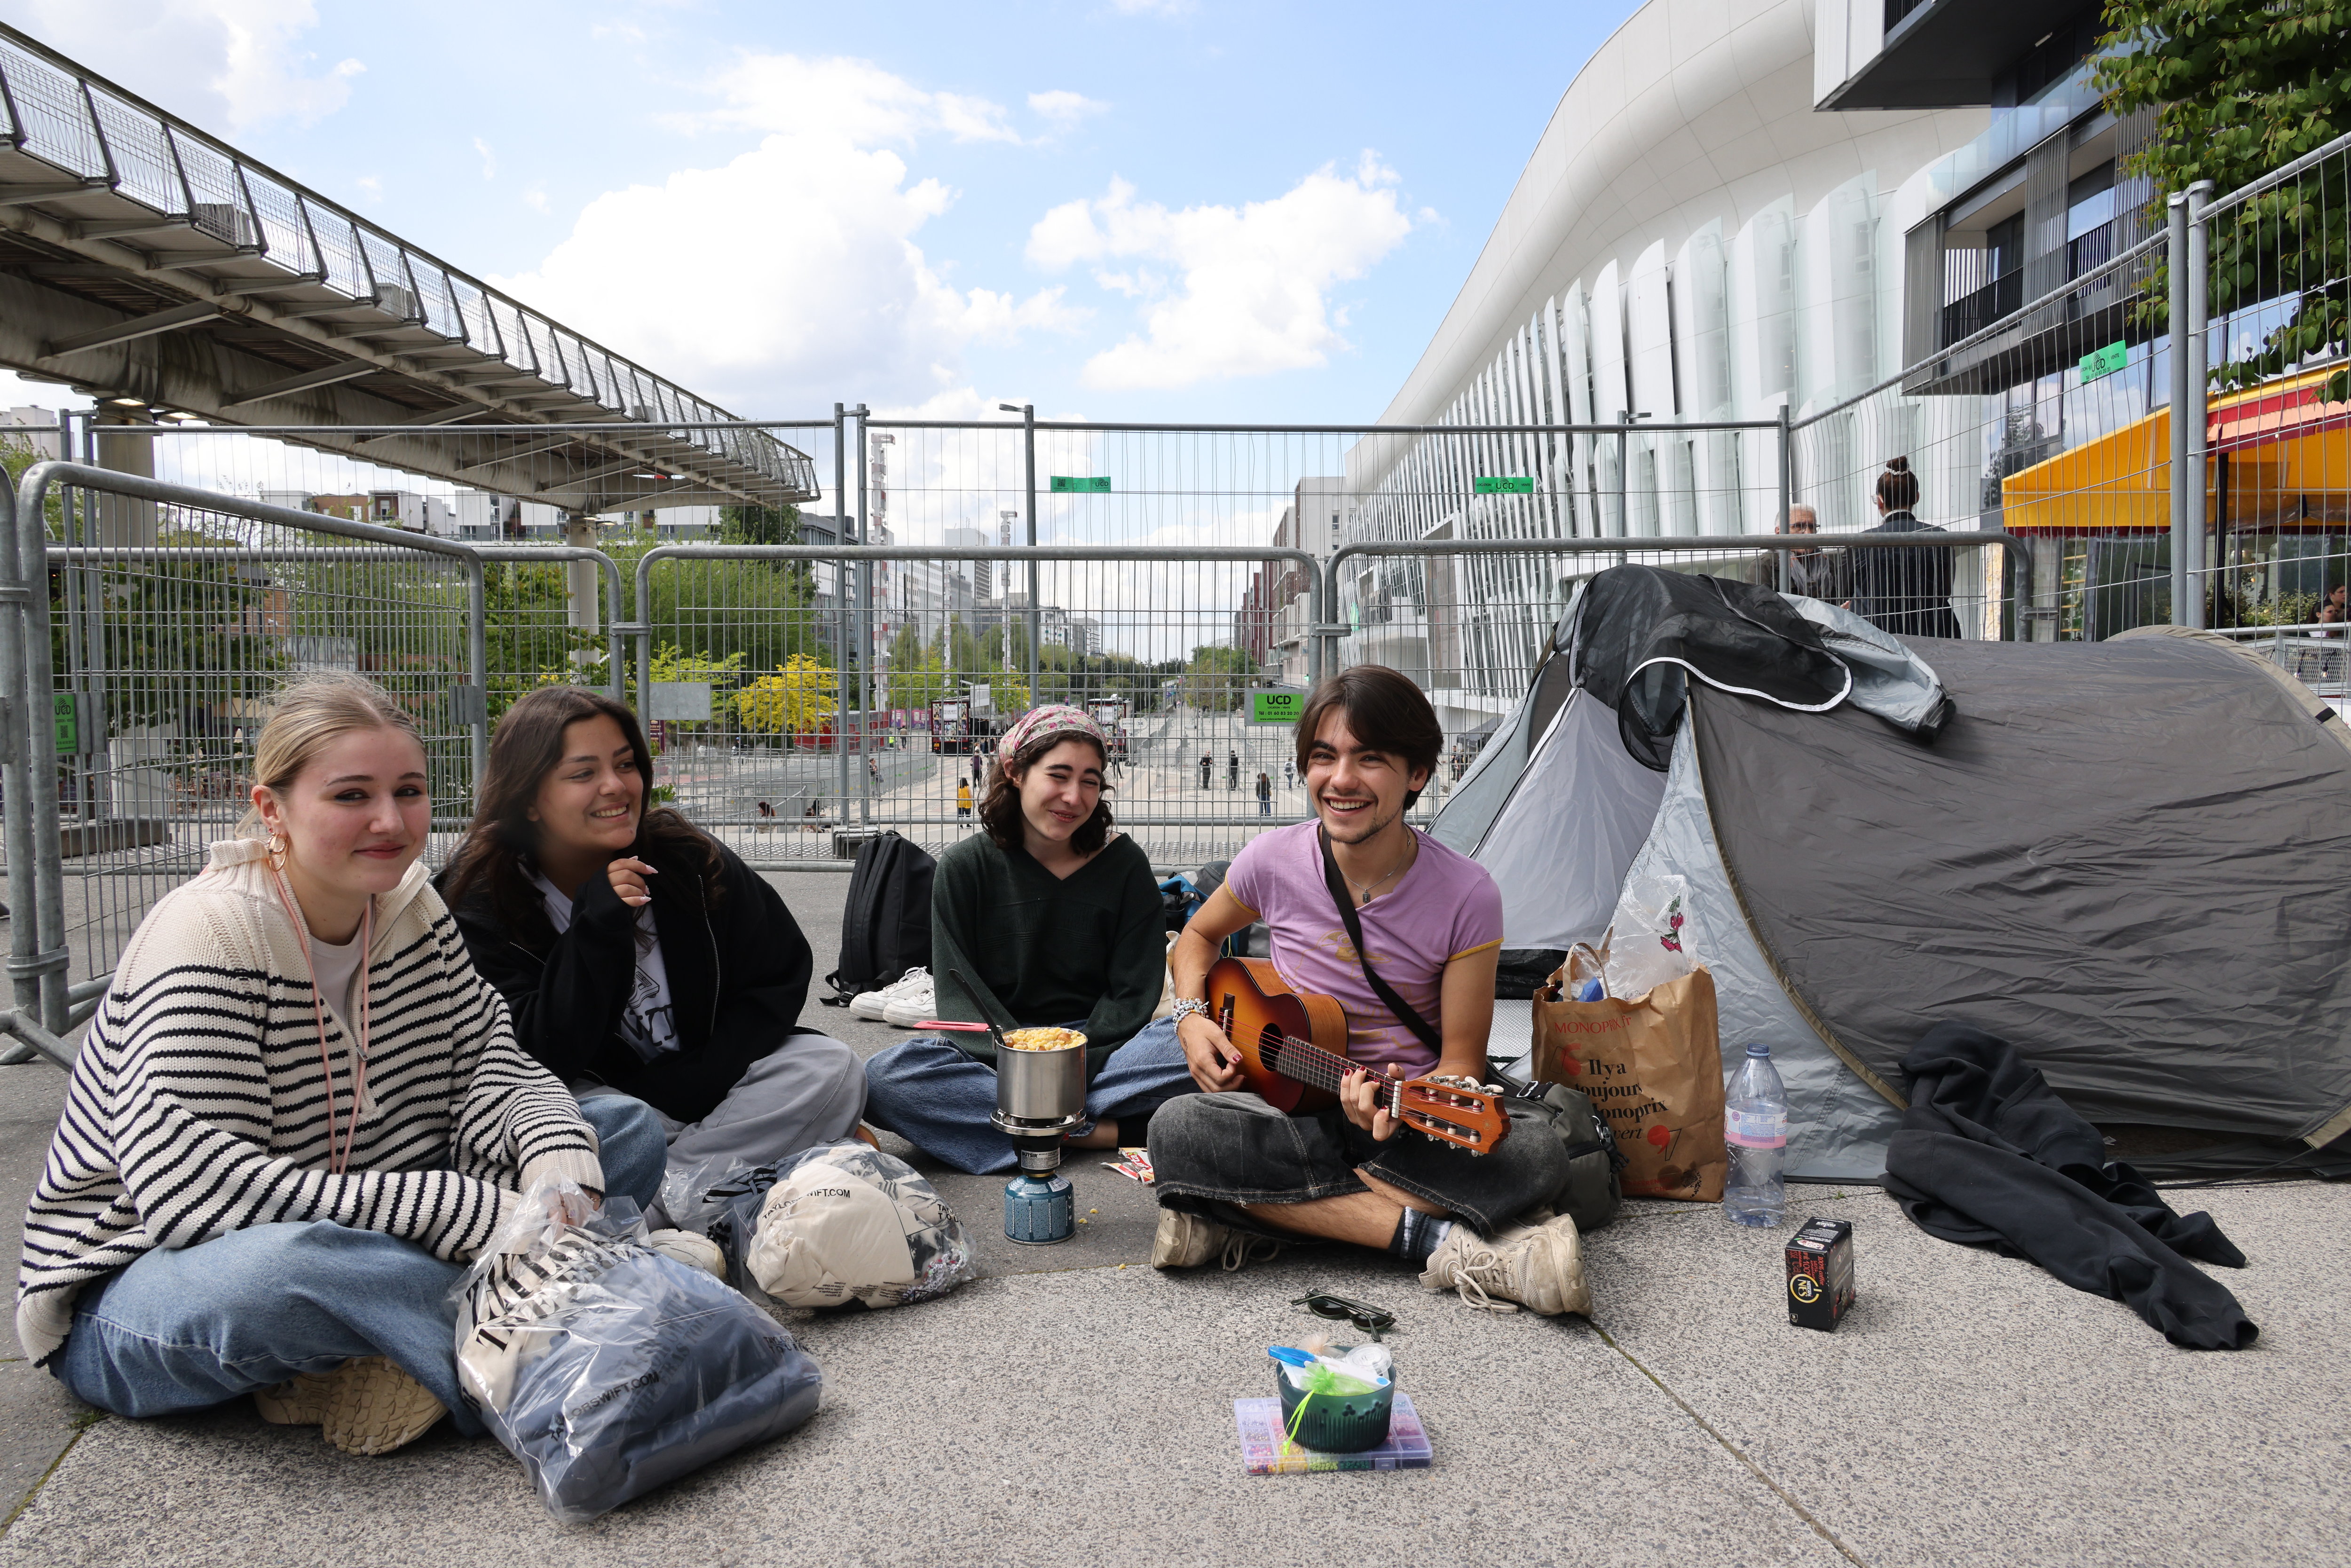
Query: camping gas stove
(1040, 1096)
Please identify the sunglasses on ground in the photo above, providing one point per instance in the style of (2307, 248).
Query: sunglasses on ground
(1370, 1319)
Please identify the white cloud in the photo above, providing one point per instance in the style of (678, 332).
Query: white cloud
(1154, 7)
(370, 187)
(789, 276)
(1063, 108)
(854, 100)
(223, 64)
(1253, 297)
(536, 199)
(489, 158)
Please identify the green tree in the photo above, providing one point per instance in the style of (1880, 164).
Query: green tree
(760, 525)
(2241, 88)
(1216, 676)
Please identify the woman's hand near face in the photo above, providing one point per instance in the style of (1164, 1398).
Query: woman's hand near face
(628, 877)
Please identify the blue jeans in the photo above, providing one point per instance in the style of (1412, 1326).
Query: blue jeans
(939, 1100)
(184, 1328)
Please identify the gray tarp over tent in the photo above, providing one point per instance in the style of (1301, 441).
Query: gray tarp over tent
(2131, 857)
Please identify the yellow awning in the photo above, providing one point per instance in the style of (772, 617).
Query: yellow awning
(2289, 466)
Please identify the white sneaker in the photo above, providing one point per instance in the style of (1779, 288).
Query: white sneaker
(1538, 1267)
(910, 1008)
(697, 1252)
(872, 1004)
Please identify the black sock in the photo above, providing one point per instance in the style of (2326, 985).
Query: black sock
(1416, 1236)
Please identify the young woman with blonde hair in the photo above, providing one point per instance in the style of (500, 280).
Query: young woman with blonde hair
(298, 1114)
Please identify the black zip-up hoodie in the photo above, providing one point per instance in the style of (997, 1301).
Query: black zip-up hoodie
(738, 975)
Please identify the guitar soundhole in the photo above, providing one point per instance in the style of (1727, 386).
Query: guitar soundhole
(1270, 1047)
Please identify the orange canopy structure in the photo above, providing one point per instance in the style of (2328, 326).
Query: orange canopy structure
(2285, 451)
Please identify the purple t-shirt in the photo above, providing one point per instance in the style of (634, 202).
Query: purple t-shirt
(1444, 907)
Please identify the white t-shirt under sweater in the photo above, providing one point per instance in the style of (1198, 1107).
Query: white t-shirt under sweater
(648, 1021)
(338, 976)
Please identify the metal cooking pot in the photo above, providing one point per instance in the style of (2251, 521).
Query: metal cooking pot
(1041, 1085)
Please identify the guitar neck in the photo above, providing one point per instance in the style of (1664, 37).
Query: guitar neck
(1312, 1065)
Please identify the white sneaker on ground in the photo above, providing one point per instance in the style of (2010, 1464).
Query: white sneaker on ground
(872, 1004)
(695, 1251)
(1187, 1240)
(1538, 1267)
(911, 1007)
(367, 1405)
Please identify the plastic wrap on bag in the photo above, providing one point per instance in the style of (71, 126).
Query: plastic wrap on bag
(608, 1369)
(1645, 943)
(838, 1223)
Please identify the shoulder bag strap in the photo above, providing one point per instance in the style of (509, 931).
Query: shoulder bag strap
(1406, 1014)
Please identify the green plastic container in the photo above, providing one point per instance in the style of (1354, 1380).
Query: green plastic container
(1337, 1422)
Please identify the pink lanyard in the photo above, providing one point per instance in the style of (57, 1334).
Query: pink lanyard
(336, 1163)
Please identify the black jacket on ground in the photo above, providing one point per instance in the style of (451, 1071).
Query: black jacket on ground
(1987, 1156)
(738, 973)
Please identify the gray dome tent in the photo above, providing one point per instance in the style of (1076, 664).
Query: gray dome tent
(2130, 858)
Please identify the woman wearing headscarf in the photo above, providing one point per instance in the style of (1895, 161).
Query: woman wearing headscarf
(1044, 918)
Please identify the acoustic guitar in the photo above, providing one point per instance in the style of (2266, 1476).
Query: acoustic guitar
(1293, 1053)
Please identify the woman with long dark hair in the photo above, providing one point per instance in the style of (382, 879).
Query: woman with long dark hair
(639, 958)
(1044, 918)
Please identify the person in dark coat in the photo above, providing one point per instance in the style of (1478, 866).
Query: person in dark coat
(1906, 590)
(639, 957)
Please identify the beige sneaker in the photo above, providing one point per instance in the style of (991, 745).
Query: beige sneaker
(298, 1401)
(1538, 1267)
(1187, 1240)
(367, 1405)
(697, 1251)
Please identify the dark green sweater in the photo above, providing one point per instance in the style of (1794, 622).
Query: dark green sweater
(1045, 950)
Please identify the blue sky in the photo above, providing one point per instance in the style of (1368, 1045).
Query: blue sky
(1224, 212)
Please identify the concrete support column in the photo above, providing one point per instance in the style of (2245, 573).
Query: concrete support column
(582, 586)
(114, 519)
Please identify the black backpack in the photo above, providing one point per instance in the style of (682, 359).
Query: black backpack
(886, 927)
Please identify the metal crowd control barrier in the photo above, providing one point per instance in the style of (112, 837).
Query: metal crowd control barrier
(775, 753)
(174, 635)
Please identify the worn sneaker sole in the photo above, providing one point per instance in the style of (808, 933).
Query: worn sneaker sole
(298, 1401)
(868, 1005)
(906, 1015)
(376, 1407)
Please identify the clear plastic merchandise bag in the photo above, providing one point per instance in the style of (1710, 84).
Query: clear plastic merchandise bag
(608, 1369)
(838, 1223)
(1643, 947)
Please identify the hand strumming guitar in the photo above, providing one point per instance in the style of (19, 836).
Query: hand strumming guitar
(1215, 1064)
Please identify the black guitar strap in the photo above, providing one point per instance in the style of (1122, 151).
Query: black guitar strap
(1406, 1014)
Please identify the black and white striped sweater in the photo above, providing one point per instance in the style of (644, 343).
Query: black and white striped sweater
(199, 1101)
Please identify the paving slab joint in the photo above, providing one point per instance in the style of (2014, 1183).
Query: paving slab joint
(1733, 1449)
(81, 1424)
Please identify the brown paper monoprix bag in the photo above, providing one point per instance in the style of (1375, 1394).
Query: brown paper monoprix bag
(1652, 1065)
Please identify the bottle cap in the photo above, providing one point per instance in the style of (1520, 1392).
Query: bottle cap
(1758, 1050)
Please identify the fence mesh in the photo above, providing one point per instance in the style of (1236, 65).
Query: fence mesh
(171, 627)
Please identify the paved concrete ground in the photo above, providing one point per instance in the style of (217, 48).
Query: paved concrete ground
(1067, 1407)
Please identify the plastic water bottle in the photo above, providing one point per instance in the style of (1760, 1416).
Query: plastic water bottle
(1755, 1126)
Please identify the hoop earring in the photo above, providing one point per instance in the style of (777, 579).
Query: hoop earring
(276, 847)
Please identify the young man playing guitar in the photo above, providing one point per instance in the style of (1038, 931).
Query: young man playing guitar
(1237, 1173)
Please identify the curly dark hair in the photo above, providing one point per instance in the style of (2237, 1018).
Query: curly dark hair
(1386, 712)
(999, 808)
(503, 839)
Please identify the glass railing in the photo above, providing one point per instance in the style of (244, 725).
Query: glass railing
(2014, 132)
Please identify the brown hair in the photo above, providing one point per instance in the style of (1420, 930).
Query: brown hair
(503, 839)
(999, 808)
(1385, 711)
(1897, 487)
(310, 715)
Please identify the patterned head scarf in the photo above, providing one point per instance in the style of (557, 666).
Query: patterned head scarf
(1040, 723)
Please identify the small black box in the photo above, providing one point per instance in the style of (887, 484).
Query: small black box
(1820, 1274)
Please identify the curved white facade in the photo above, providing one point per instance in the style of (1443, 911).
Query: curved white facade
(1687, 158)
(1690, 241)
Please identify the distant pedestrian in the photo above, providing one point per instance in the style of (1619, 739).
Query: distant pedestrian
(1207, 762)
(1903, 590)
(978, 770)
(963, 803)
(1265, 794)
(767, 817)
(1289, 774)
(1233, 770)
